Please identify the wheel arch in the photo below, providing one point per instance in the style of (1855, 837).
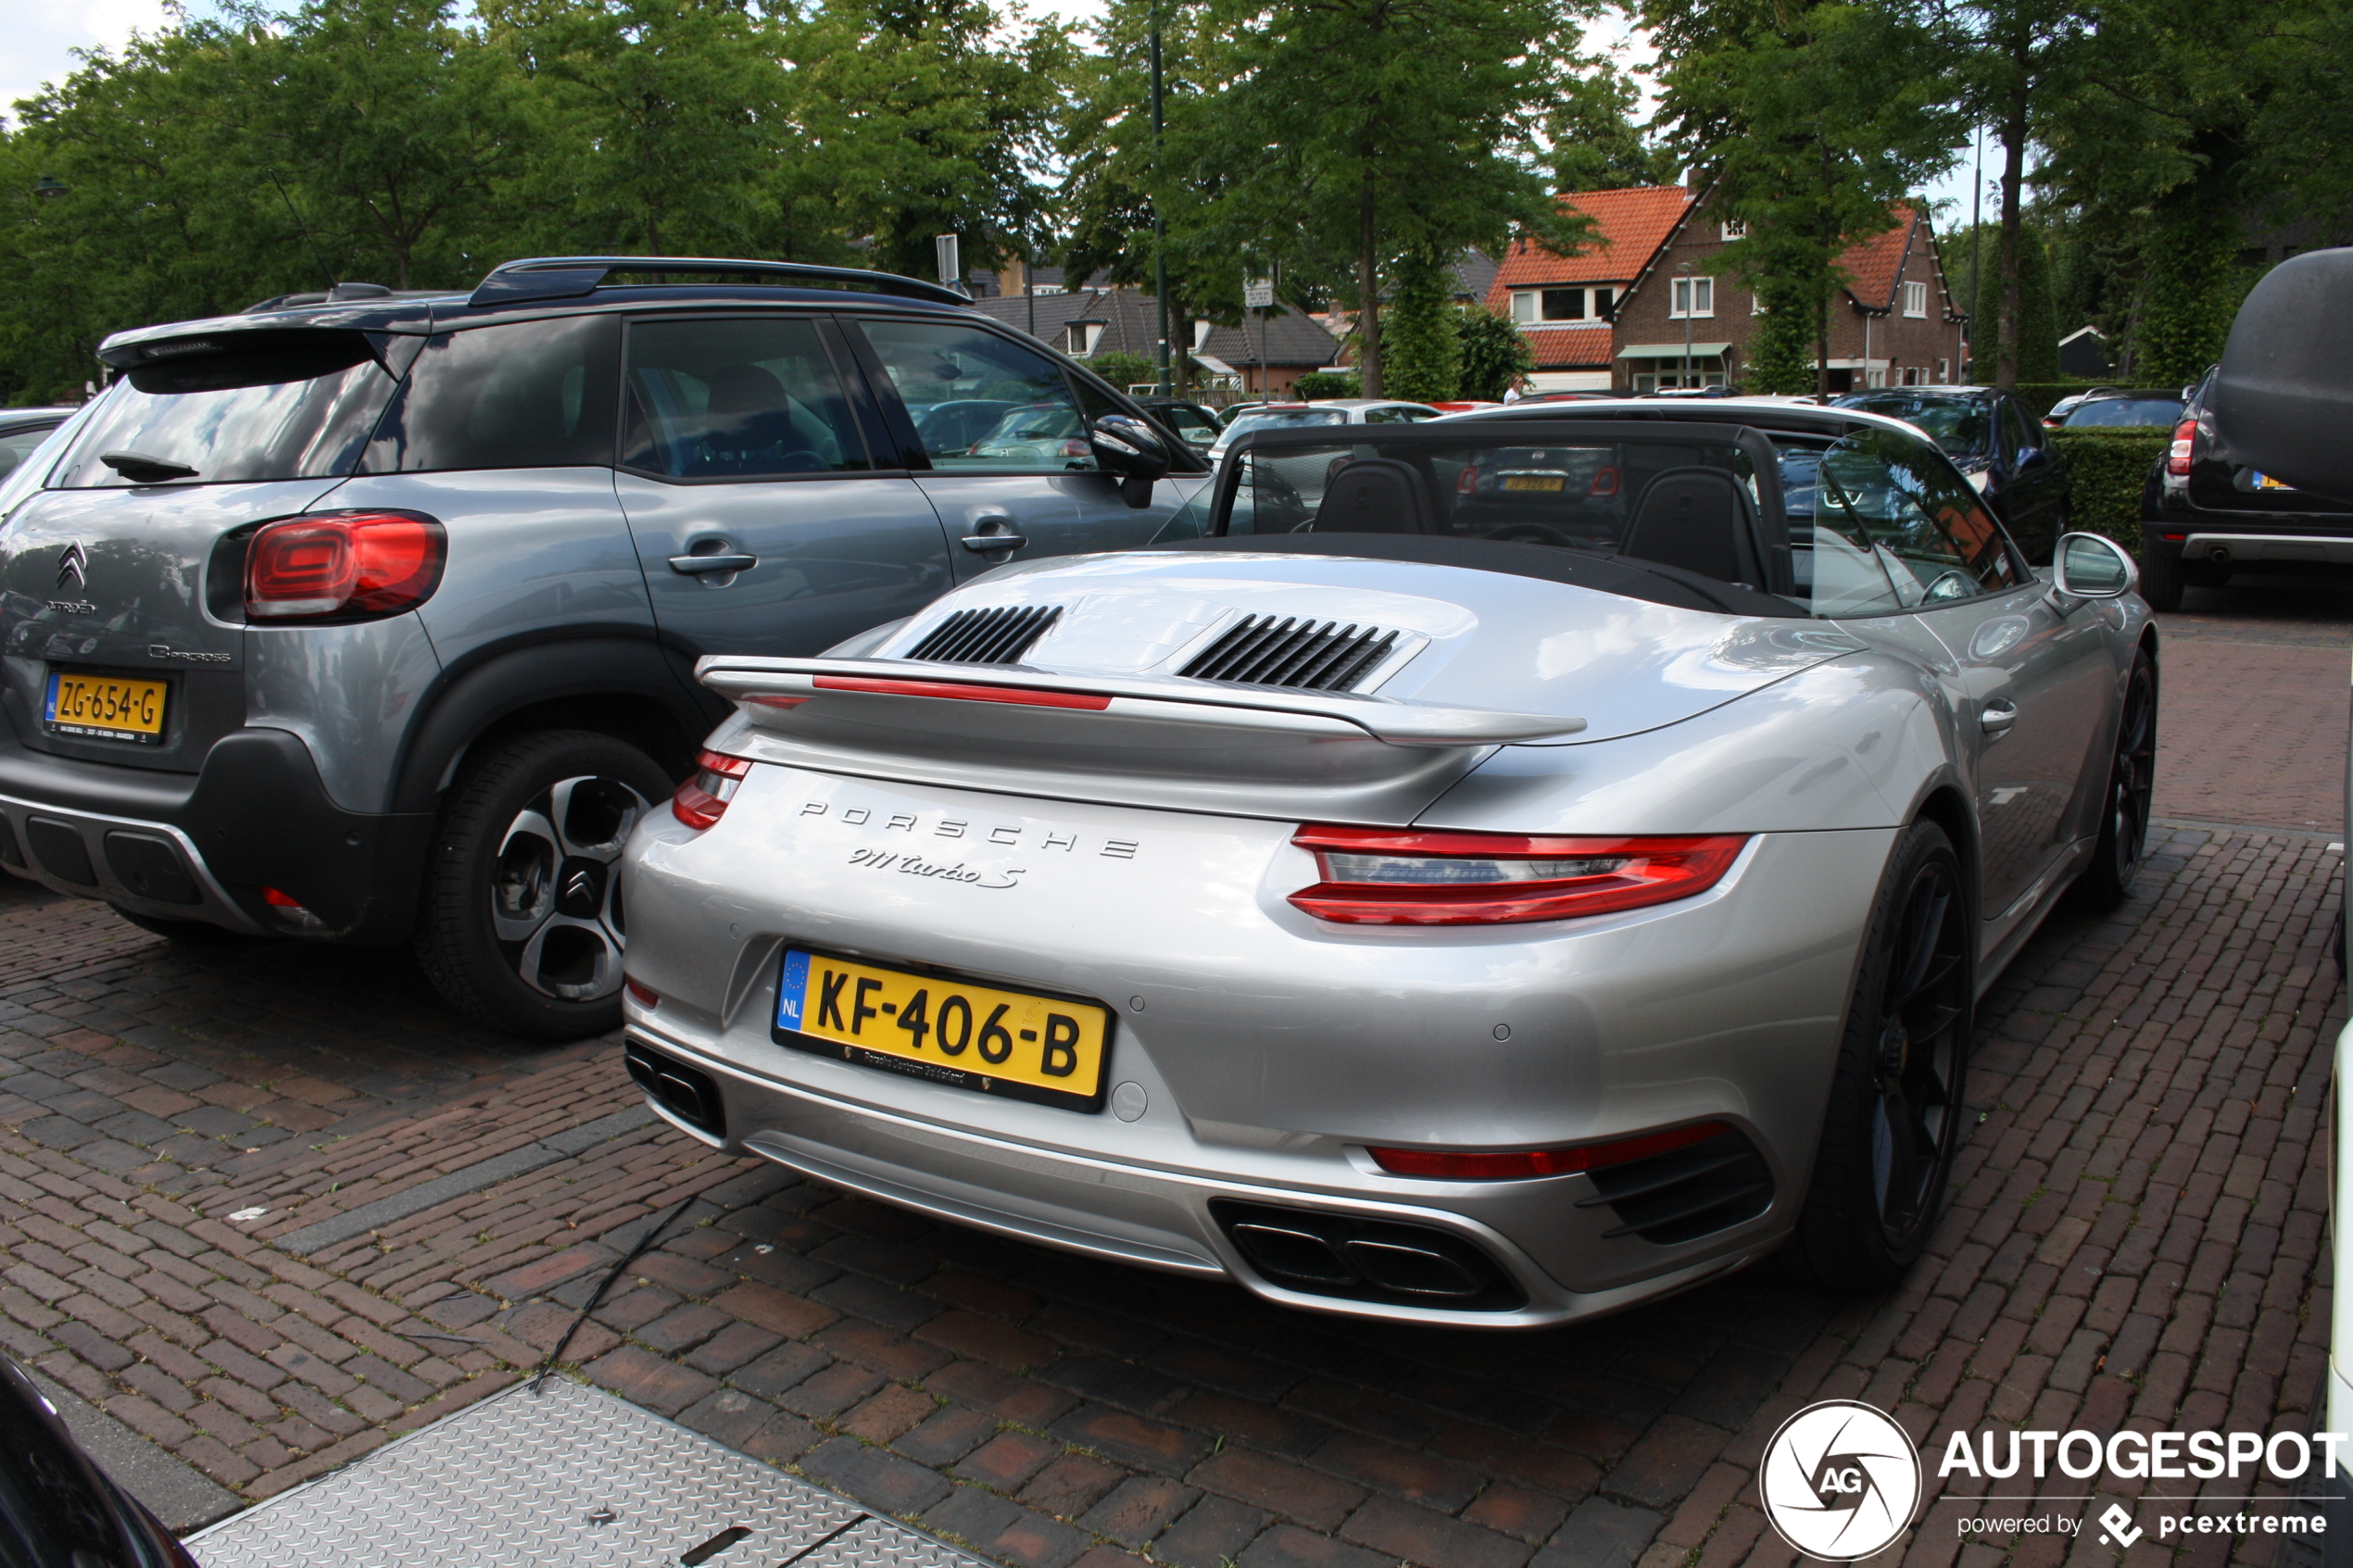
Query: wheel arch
(629, 688)
(1942, 802)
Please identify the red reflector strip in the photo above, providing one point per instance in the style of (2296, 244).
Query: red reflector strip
(642, 994)
(957, 692)
(1504, 1165)
(769, 700)
(277, 900)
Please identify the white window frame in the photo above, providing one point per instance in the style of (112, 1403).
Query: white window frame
(1916, 301)
(1527, 306)
(1693, 297)
(1731, 228)
(1079, 338)
(1944, 372)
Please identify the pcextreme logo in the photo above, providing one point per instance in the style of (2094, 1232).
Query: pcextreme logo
(1840, 1480)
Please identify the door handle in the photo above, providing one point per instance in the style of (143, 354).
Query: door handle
(695, 566)
(2000, 715)
(993, 532)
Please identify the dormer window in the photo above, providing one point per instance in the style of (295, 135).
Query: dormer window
(1081, 337)
(1532, 307)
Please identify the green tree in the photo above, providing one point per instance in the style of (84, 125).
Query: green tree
(1782, 352)
(1350, 132)
(1425, 355)
(2036, 346)
(1595, 144)
(1812, 120)
(1495, 354)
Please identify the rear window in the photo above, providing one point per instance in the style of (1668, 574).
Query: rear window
(527, 394)
(282, 406)
(2125, 411)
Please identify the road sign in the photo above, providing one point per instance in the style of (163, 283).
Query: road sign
(1258, 294)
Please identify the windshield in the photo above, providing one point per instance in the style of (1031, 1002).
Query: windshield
(2125, 411)
(1285, 419)
(1956, 425)
(287, 405)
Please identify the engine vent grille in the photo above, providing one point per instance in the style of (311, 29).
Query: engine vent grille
(1686, 1193)
(987, 636)
(1315, 656)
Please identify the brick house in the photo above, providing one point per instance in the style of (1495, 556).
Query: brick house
(1618, 315)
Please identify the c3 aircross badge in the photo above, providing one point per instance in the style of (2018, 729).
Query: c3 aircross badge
(74, 565)
(1840, 1480)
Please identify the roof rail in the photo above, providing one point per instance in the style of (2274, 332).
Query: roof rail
(567, 277)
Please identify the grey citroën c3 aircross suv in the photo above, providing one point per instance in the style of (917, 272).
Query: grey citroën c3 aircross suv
(374, 617)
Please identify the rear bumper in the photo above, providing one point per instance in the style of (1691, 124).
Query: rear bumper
(202, 847)
(1138, 1214)
(2248, 549)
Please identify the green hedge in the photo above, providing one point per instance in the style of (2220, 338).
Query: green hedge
(2107, 466)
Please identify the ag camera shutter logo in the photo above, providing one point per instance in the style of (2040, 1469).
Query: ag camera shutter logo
(1840, 1480)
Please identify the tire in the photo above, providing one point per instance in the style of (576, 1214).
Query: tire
(1895, 1117)
(2132, 788)
(2160, 579)
(522, 925)
(195, 932)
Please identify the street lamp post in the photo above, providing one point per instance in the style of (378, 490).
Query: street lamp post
(1160, 229)
(1685, 267)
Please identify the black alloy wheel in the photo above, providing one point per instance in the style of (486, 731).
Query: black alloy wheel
(2131, 790)
(1895, 1117)
(524, 925)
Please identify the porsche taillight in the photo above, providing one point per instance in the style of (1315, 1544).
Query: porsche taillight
(1504, 1165)
(1384, 876)
(343, 566)
(2177, 456)
(702, 799)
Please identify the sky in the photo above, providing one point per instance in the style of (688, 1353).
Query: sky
(37, 38)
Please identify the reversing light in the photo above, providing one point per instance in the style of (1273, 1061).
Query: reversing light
(1383, 876)
(702, 799)
(2177, 456)
(1504, 1165)
(344, 565)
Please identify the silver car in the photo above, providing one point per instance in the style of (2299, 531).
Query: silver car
(1491, 872)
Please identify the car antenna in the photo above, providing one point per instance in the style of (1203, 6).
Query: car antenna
(327, 271)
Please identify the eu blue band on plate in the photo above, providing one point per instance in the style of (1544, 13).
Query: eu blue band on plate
(792, 990)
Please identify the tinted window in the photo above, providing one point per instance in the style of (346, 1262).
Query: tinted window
(934, 364)
(1925, 523)
(2126, 411)
(17, 445)
(1959, 425)
(528, 394)
(2017, 433)
(740, 399)
(285, 405)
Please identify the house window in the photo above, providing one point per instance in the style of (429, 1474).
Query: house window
(1605, 302)
(1916, 299)
(1564, 304)
(1732, 230)
(1944, 372)
(1081, 337)
(1523, 306)
(1693, 296)
(1533, 307)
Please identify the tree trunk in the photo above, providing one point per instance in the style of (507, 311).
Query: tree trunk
(2013, 177)
(1369, 295)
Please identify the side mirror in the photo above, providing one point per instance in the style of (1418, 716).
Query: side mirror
(2285, 393)
(2092, 567)
(1131, 449)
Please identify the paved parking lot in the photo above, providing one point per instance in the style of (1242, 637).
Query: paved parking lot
(269, 1205)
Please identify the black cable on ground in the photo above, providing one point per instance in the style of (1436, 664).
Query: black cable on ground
(599, 1294)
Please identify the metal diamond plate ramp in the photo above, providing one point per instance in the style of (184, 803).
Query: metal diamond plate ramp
(570, 1477)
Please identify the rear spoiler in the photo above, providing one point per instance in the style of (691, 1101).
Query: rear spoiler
(794, 681)
(1138, 741)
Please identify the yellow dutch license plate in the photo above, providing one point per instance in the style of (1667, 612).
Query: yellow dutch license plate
(106, 707)
(1052, 1050)
(1550, 484)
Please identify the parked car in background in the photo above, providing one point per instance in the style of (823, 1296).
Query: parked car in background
(1333, 411)
(374, 619)
(22, 430)
(58, 1509)
(1233, 411)
(1454, 875)
(2115, 407)
(2205, 512)
(1192, 423)
(949, 429)
(1464, 405)
(1990, 438)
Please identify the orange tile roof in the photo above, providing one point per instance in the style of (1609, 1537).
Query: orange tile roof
(1572, 348)
(1873, 266)
(1628, 227)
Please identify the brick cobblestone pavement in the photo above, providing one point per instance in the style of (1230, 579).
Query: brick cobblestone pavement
(2136, 1241)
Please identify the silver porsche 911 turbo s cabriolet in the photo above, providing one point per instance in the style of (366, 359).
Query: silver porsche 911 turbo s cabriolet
(1488, 872)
